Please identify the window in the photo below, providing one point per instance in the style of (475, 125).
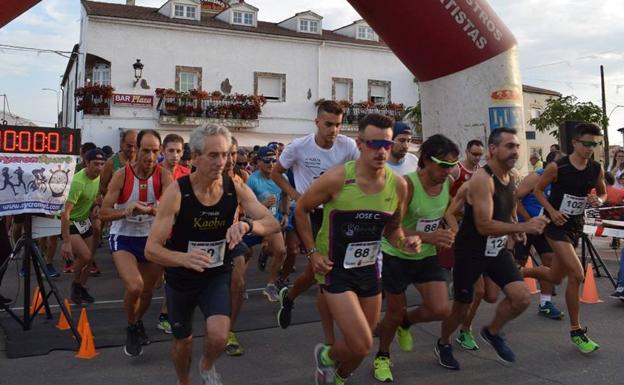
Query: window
(179, 11)
(306, 25)
(365, 33)
(244, 18)
(101, 74)
(530, 135)
(379, 91)
(188, 78)
(342, 89)
(271, 85)
(190, 12)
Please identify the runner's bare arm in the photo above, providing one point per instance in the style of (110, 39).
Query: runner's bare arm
(281, 182)
(393, 231)
(549, 176)
(601, 189)
(106, 175)
(66, 247)
(166, 178)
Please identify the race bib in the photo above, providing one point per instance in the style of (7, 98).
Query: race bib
(83, 226)
(215, 250)
(573, 205)
(360, 254)
(494, 245)
(427, 225)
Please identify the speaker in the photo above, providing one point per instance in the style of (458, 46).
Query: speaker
(567, 132)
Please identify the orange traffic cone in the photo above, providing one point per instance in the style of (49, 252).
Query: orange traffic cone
(83, 323)
(590, 292)
(531, 282)
(87, 346)
(37, 300)
(62, 322)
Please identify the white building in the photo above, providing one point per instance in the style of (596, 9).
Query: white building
(214, 45)
(535, 99)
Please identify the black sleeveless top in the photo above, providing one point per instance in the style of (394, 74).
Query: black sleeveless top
(469, 242)
(575, 183)
(203, 227)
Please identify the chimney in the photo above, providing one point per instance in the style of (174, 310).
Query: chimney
(130, 2)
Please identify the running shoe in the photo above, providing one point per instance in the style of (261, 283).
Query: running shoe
(52, 272)
(94, 271)
(133, 346)
(210, 376)
(86, 297)
(582, 342)
(339, 380)
(270, 291)
(549, 310)
(618, 293)
(466, 340)
(284, 314)
(163, 324)
(262, 260)
(324, 370)
(406, 343)
(381, 369)
(232, 347)
(76, 293)
(142, 333)
(500, 347)
(444, 353)
(69, 267)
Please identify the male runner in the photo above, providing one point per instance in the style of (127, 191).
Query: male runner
(362, 202)
(401, 161)
(427, 200)
(76, 228)
(196, 220)
(127, 154)
(572, 178)
(309, 157)
(481, 246)
(468, 166)
(130, 203)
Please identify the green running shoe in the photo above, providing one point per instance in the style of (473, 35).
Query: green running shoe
(381, 369)
(232, 347)
(405, 339)
(339, 380)
(582, 342)
(466, 340)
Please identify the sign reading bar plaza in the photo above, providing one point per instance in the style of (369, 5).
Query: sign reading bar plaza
(133, 100)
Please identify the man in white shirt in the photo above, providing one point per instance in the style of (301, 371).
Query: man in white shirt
(309, 157)
(401, 161)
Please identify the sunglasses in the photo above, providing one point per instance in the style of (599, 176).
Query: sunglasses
(588, 143)
(476, 154)
(376, 144)
(269, 160)
(444, 163)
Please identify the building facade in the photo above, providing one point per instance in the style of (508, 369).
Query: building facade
(208, 61)
(535, 100)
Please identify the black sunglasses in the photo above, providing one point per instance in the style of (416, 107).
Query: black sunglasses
(269, 160)
(376, 144)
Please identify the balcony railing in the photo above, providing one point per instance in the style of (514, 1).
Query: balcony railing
(94, 99)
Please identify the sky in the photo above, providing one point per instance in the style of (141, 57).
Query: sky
(562, 44)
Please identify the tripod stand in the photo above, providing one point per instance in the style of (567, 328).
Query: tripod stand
(33, 255)
(587, 248)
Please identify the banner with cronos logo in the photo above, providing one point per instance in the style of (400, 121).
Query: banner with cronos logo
(34, 183)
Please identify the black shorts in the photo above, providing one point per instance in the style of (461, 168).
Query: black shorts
(213, 298)
(539, 242)
(501, 269)
(74, 231)
(398, 273)
(316, 219)
(570, 232)
(363, 281)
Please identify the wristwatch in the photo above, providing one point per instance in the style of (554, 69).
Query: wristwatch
(249, 222)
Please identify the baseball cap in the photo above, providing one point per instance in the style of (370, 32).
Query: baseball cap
(95, 154)
(401, 128)
(265, 151)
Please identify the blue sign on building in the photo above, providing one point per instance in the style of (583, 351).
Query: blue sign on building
(505, 117)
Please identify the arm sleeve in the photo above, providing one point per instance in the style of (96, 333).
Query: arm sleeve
(287, 158)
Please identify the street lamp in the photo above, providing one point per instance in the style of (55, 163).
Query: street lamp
(138, 71)
(621, 130)
(58, 122)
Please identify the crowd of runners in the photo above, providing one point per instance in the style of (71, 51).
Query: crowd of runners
(371, 218)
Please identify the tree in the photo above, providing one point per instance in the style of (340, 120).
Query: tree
(413, 114)
(558, 110)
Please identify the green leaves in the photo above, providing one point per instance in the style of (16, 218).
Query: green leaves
(567, 108)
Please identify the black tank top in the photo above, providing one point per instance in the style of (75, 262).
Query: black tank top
(203, 227)
(469, 241)
(569, 192)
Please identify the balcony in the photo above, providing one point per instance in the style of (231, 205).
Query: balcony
(357, 111)
(94, 99)
(198, 107)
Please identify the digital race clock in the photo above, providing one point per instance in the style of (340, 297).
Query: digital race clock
(39, 140)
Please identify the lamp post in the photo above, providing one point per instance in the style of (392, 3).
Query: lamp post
(621, 130)
(58, 122)
(138, 71)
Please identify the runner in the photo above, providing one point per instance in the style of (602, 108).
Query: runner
(529, 207)
(401, 161)
(361, 204)
(127, 154)
(76, 226)
(309, 157)
(481, 247)
(468, 166)
(130, 203)
(572, 178)
(427, 200)
(201, 239)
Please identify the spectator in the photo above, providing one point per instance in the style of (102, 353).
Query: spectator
(108, 151)
(617, 167)
(535, 162)
(555, 147)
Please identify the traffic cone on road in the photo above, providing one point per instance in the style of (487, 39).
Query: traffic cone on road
(531, 282)
(87, 345)
(37, 300)
(590, 292)
(62, 322)
(83, 323)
